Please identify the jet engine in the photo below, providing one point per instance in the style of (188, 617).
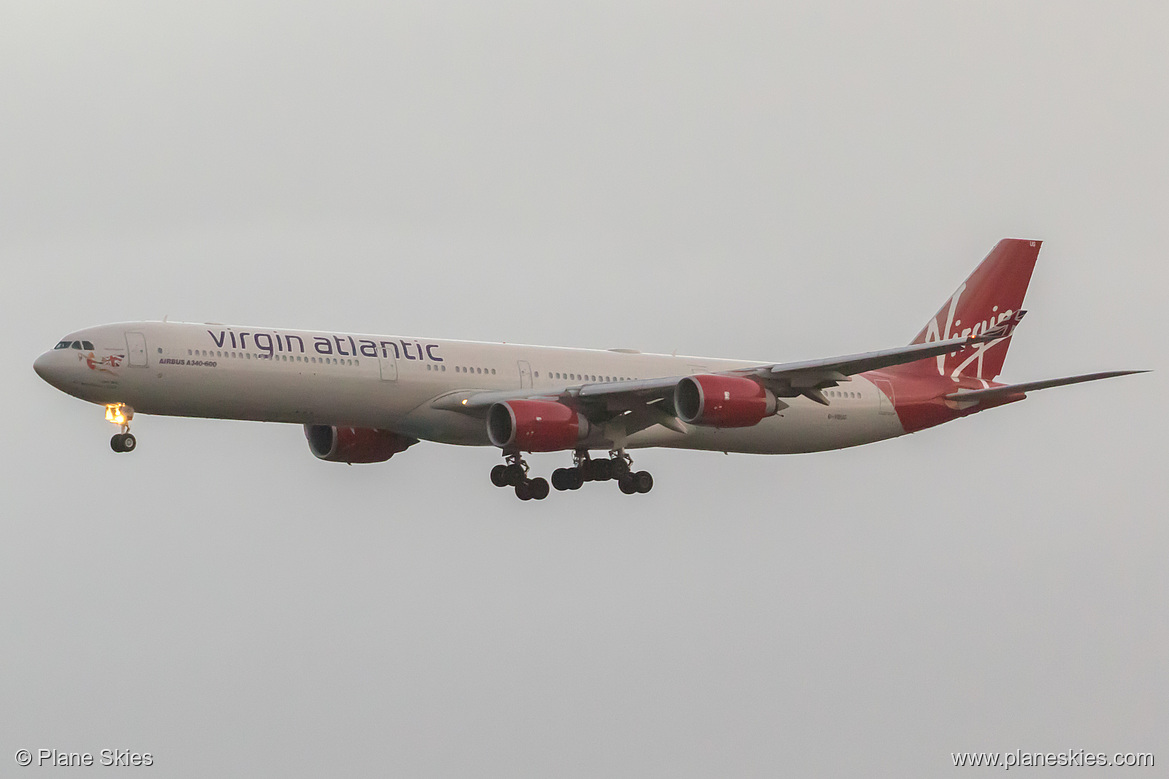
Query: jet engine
(722, 401)
(535, 426)
(355, 444)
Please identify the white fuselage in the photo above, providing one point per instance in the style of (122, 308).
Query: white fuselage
(390, 382)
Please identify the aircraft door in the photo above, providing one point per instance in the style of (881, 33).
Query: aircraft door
(388, 363)
(136, 347)
(885, 396)
(525, 374)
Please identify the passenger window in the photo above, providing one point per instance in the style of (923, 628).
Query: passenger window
(493, 372)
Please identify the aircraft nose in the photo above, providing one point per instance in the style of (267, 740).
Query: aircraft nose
(47, 369)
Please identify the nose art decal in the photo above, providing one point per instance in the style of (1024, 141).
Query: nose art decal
(96, 363)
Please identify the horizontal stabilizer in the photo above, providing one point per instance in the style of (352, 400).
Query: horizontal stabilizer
(1012, 390)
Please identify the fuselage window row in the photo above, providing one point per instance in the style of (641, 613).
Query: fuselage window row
(280, 357)
(558, 375)
(585, 377)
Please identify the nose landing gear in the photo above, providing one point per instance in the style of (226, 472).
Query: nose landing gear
(120, 414)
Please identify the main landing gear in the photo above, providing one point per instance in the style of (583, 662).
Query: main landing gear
(617, 467)
(515, 474)
(120, 414)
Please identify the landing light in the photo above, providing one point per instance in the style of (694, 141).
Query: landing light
(118, 413)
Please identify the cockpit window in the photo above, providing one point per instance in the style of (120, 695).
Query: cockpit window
(87, 345)
(77, 344)
(63, 345)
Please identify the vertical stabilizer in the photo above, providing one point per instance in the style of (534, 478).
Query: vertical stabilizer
(989, 297)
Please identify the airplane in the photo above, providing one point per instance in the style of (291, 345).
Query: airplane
(365, 398)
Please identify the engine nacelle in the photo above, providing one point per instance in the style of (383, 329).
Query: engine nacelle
(355, 444)
(535, 426)
(722, 401)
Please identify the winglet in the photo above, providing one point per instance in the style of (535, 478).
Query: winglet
(1006, 329)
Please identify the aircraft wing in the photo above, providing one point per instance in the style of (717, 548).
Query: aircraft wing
(808, 378)
(1018, 390)
(604, 400)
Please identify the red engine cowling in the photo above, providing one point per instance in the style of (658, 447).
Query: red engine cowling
(355, 444)
(535, 426)
(722, 401)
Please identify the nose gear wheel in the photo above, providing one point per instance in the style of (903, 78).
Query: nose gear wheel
(120, 414)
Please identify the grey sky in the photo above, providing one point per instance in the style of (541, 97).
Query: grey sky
(765, 181)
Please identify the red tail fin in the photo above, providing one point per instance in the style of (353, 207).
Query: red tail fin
(991, 296)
